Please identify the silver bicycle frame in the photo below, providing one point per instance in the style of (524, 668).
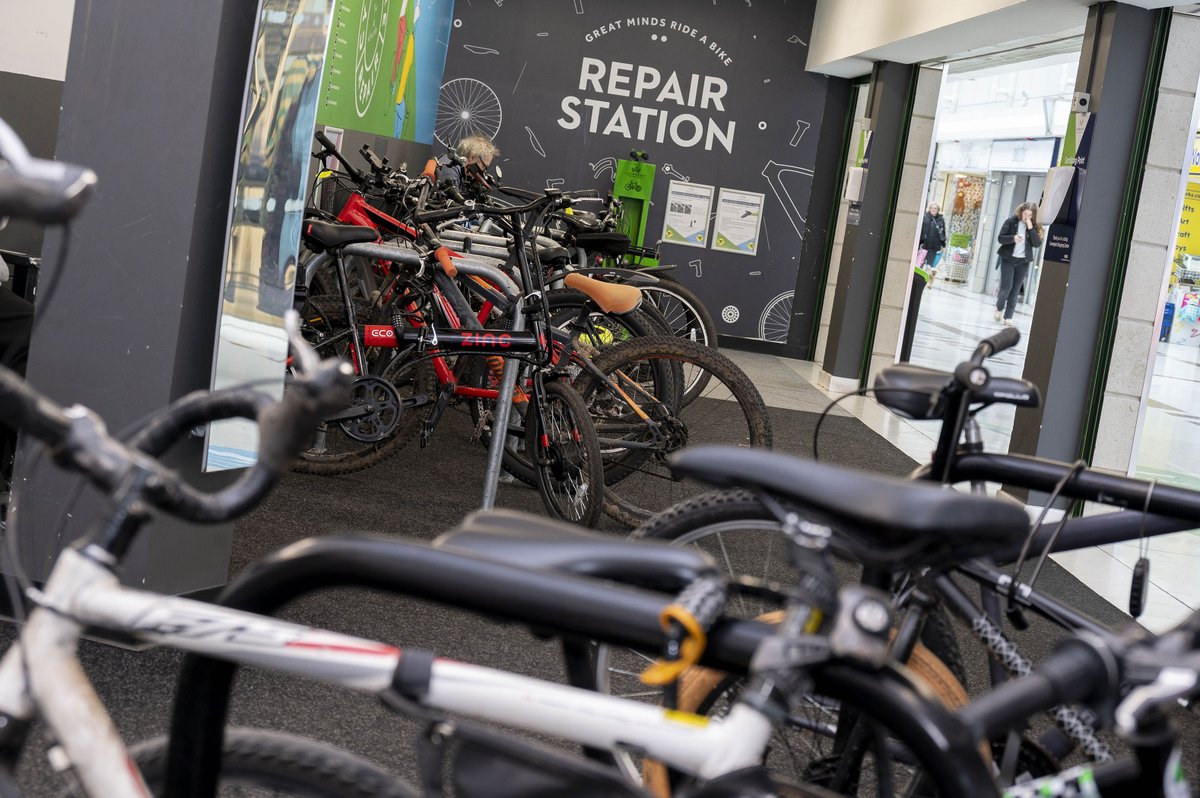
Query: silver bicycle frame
(82, 591)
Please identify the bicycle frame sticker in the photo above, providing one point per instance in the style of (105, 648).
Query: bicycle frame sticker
(481, 341)
(1175, 783)
(1078, 782)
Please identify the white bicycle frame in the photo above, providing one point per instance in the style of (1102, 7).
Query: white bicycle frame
(40, 675)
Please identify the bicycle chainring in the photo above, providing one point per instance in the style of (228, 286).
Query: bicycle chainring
(382, 409)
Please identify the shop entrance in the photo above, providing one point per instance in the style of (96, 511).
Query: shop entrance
(999, 129)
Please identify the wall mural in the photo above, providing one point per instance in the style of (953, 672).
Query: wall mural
(715, 93)
(384, 65)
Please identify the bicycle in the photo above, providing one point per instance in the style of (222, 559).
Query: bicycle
(633, 390)
(746, 528)
(83, 588)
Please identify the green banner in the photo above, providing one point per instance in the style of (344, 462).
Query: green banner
(384, 67)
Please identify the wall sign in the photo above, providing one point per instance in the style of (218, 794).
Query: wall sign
(1022, 155)
(715, 94)
(384, 67)
(739, 214)
(686, 219)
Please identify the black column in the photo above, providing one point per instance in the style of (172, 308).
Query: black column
(1071, 336)
(152, 102)
(817, 244)
(865, 245)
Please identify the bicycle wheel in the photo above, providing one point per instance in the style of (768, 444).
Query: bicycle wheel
(362, 277)
(604, 330)
(742, 536)
(641, 421)
(263, 763)
(687, 318)
(333, 450)
(566, 456)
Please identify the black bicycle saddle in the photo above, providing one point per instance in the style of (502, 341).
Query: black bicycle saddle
(893, 521)
(537, 542)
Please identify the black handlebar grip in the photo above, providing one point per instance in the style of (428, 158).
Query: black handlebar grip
(47, 192)
(1076, 671)
(324, 140)
(198, 407)
(452, 192)
(427, 217)
(354, 173)
(1005, 339)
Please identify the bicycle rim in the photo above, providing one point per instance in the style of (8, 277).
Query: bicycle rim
(566, 456)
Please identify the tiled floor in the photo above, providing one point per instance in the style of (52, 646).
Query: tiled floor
(952, 321)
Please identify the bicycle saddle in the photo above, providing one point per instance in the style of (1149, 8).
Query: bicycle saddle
(536, 542)
(321, 236)
(896, 522)
(609, 297)
(916, 392)
(553, 254)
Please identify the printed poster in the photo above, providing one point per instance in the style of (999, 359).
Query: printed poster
(383, 70)
(739, 216)
(688, 207)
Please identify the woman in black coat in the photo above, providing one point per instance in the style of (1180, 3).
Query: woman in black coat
(933, 233)
(1019, 236)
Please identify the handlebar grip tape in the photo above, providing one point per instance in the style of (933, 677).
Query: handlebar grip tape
(430, 169)
(444, 258)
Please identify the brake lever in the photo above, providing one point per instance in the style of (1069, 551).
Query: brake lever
(1171, 684)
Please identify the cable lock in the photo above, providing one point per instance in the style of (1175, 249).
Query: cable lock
(687, 621)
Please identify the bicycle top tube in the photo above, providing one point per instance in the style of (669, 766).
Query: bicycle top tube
(1040, 474)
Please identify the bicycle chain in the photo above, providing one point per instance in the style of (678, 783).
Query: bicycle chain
(1070, 720)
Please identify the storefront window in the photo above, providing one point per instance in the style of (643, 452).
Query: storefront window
(1169, 451)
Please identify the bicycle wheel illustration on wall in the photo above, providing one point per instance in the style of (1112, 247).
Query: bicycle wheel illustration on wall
(468, 107)
(776, 318)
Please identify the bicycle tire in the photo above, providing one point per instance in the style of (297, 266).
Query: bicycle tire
(730, 411)
(567, 464)
(564, 304)
(277, 761)
(361, 277)
(686, 317)
(733, 511)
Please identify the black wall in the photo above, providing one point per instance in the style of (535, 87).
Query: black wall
(529, 56)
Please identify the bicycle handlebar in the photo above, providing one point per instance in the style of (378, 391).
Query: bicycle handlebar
(453, 211)
(971, 374)
(355, 174)
(37, 189)
(1078, 670)
(79, 440)
(1005, 339)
